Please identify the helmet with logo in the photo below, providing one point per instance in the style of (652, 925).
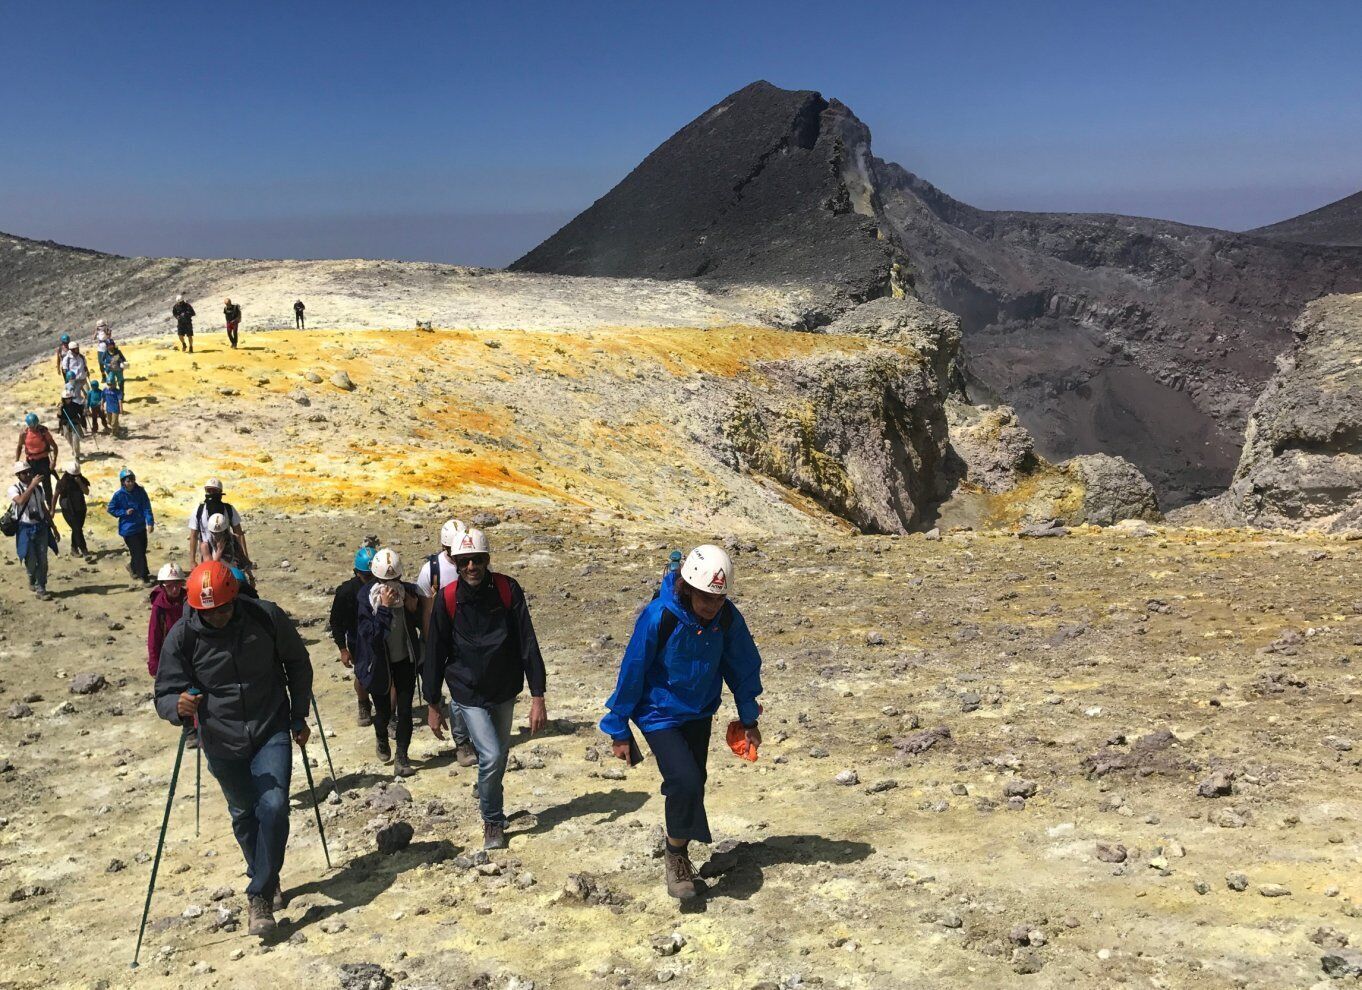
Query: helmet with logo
(708, 569)
(211, 585)
(450, 533)
(364, 558)
(470, 541)
(387, 565)
(169, 572)
(217, 523)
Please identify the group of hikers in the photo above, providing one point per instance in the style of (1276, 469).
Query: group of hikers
(86, 405)
(183, 314)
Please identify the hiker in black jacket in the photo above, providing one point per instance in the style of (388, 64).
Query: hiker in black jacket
(254, 678)
(345, 625)
(184, 323)
(231, 313)
(482, 644)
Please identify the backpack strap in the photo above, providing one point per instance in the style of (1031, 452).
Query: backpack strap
(433, 561)
(667, 624)
(503, 585)
(500, 581)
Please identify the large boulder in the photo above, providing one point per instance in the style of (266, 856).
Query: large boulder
(1112, 489)
(994, 451)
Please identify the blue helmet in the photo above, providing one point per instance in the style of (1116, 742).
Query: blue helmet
(31, 419)
(239, 574)
(66, 338)
(364, 557)
(125, 474)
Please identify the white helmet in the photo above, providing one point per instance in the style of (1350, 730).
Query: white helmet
(708, 568)
(217, 523)
(101, 324)
(387, 565)
(75, 347)
(450, 533)
(212, 485)
(471, 541)
(170, 572)
(68, 391)
(72, 468)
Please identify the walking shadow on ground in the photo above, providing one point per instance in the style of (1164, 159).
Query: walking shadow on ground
(613, 804)
(739, 870)
(362, 879)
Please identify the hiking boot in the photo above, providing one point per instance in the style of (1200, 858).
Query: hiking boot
(43, 595)
(493, 836)
(383, 749)
(261, 916)
(277, 900)
(465, 755)
(366, 712)
(403, 768)
(680, 875)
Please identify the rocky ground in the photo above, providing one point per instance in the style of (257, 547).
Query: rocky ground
(1112, 757)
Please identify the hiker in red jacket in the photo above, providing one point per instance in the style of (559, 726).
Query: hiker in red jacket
(167, 606)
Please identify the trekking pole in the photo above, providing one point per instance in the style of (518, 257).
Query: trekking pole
(160, 844)
(317, 809)
(321, 731)
(198, 768)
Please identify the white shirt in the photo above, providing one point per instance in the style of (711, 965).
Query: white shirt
(448, 574)
(234, 522)
(32, 511)
(75, 361)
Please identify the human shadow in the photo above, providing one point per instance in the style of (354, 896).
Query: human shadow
(89, 589)
(740, 871)
(98, 455)
(613, 804)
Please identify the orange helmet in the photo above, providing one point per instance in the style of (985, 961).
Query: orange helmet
(211, 585)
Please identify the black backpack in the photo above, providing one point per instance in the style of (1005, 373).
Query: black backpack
(667, 624)
(201, 518)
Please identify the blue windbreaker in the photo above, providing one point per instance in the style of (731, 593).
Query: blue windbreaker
(122, 501)
(681, 683)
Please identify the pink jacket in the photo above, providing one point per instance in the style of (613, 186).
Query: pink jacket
(164, 614)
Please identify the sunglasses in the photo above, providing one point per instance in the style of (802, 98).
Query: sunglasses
(480, 559)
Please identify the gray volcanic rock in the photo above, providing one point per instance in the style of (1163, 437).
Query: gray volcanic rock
(1338, 223)
(1113, 489)
(995, 451)
(932, 332)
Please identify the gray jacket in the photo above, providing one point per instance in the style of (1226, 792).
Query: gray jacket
(254, 673)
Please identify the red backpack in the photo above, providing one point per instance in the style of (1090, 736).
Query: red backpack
(451, 593)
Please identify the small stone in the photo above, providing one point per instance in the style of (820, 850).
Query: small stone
(115, 866)
(342, 381)
(847, 778)
(221, 894)
(950, 920)
(1201, 887)
(394, 838)
(18, 710)
(668, 945)
(1274, 890)
(1026, 961)
(1328, 937)
(525, 880)
(300, 397)
(192, 911)
(87, 683)
(333, 926)
(1019, 788)
(1342, 962)
(874, 638)
(1236, 881)
(313, 377)
(881, 786)
(364, 976)
(1218, 784)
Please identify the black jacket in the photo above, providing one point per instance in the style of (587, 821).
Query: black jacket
(371, 644)
(254, 673)
(232, 313)
(487, 653)
(184, 315)
(345, 614)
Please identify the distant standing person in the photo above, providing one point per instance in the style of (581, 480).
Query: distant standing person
(113, 407)
(33, 514)
(231, 312)
(71, 492)
(63, 346)
(76, 368)
(298, 320)
(213, 504)
(71, 417)
(131, 506)
(387, 652)
(94, 401)
(184, 323)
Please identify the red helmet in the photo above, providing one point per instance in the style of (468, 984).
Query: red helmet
(211, 585)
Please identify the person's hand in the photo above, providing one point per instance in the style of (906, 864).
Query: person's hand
(151, 527)
(753, 736)
(435, 718)
(389, 596)
(619, 748)
(346, 657)
(302, 735)
(539, 715)
(187, 706)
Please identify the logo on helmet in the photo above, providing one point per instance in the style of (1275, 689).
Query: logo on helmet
(467, 541)
(206, 591)
(719, 581)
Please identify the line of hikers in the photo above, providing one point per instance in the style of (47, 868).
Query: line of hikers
(183, 314)
(233, 668)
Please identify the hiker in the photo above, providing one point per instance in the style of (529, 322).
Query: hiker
(345, 625)
(114, 363)
(167, 608)
(75, 367)
(220, 543)
(94, 404)
(387, 652)
(213, 504)
(102, 338)
(482, 644)
(70, 495)
(132, 508)
(687, 643)
(39, 449)
(437, 572)
(298, 320)
(63, 346)
(184, 323)
(71, 417)
(252, 668)
(33, 516)
(231, 312)
(113, 407)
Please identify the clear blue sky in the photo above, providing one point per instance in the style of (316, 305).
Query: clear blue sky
(467, 132)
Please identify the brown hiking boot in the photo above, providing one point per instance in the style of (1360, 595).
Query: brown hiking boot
(261, 916)
(680, 875)
(384, 749)
(493, 836)
(366, 713)
(277, 899)
(403, 768)
(465, 755)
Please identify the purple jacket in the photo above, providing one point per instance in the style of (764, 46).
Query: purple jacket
(164, 614)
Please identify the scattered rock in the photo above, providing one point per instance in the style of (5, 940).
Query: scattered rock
(924, 739)
(847, 778)
(387, 796)
(87, 683)
(18, 710)
(1236, 881)
(668, 945)
(1111, 853)
(364, 976)
(1019, 788)
(1218, 784)
(1342, 962)
(342, 381)
(1274, 890)
(28, 891)
(394, 838)
(313, 377)
(1026, 961)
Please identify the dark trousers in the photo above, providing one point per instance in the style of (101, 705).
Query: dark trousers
(137, 547)
(256, 790)
(681, 754)
(298, 320)
(404, 679)
(231, 331)
(76, 522)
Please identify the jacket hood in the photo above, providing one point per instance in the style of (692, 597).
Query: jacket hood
(668, 597)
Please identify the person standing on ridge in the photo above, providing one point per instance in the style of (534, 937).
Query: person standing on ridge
(63, 346)
(387, 652)
(37, 447)
(254, 678)
(33, 513)
(437, 572)
(131, 506)
(688, 642)
(70, 495)
(231, 312)
(482, 644)
(184, 323)
(345, 625)
(212, 505)
(298, 320)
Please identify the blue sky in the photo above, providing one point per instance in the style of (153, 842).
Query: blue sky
(467, 132)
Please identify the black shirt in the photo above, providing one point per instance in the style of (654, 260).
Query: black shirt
(345, 614)
(487, 653)
(184, 315)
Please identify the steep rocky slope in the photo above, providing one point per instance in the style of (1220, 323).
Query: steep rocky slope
(1140, 338)
(1338, 223)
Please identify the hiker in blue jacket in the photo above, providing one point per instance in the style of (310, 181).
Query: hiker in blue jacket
(131, 506)
(688, 643)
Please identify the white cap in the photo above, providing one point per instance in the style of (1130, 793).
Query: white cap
(450, 532)
(72, 468)
(74, 346)
(386, 565)
(217, 523)
(708, 568)
(170, 572)
(21, 466)
(212, 484)
(470, 541)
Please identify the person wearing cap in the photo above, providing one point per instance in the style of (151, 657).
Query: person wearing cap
(70, 494)
(167, 607)
(345, 625)
(131, 506)
(75, 367)
(115, 363)
(687, 643)
(102, 345)
(71, 417)
(183, 314)
(231, 313)
(253, 679)
(113, 406)
(221, 543)
(63, 346)
(437, 572)
(482, 644)
(212, 505)
(387, 652)
(33, 512)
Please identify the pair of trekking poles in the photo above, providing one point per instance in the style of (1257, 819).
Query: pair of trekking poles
(198, 794)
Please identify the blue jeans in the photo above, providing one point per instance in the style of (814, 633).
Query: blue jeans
(489, 729)
(31, 543)
(257, 796)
